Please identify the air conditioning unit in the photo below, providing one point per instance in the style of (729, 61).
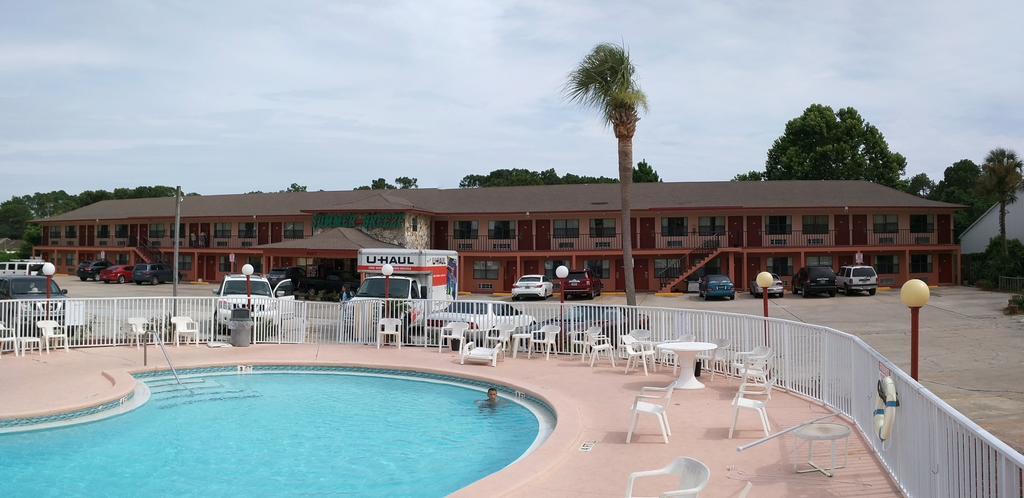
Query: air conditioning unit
(503, 246)
(222, 243)
(465, 247)
(887, 240)
(122, 243)
(603, 245)
(247, 243)
(674, 243)
(103, 242)
(777, 242)
(922, 240)
(71, 242)
(567, 245)
(815, 242)
(485, 286)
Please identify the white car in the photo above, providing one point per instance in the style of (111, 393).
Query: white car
(539, 286)
(852, 279)
(479, 315)
(266, 303)
(776, 289)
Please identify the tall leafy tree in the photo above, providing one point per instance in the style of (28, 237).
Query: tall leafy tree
(295, 187)
(750, 176)
(605, 80)
(822, 144)
(959, 186)
(919, 185)
(517, 177)
(404, 182)
(644, 173)
(1001, 178)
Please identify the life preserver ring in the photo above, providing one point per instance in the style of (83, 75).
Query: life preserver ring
(885, 408)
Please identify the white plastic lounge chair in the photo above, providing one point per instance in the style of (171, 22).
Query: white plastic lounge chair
(7, 336)
(389, 327)
(641, 405)
(185, 327)
(635, 352)
(693, 477)
(136, 329)
(749, 404)
(49, 333)
(549, 340)
(452, 331)
(470, 352)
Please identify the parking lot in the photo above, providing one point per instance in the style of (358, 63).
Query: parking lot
(971, 354)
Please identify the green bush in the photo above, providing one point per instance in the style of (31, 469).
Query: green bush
(995, 263)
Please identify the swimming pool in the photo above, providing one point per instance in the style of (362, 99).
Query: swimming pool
(332, 432)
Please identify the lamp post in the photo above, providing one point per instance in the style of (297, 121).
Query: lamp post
(764, 281)
(247, 270)
(914, 295)
(48, 270)
(387, 270)
(561, 272)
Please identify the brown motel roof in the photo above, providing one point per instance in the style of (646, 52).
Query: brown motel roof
(538, 199)
(334, 239)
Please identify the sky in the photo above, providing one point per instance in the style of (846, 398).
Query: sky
(235, 96)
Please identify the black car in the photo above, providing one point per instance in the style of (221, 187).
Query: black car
(91, 269)
(154, 273)
(293, 273)
(815, 280)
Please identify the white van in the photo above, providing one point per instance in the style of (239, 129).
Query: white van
(22, 267)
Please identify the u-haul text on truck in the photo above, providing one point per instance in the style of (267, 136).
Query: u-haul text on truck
(419, 274)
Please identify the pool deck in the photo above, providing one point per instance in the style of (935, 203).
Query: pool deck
(591, 405)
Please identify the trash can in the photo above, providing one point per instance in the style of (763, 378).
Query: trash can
(241, 327)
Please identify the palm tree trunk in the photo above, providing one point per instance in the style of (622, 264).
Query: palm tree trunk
(626, 186)
(1002, 225)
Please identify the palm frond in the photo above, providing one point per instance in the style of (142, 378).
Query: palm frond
(605, 80)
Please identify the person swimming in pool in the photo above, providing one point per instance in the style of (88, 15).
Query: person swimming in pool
(492, 400)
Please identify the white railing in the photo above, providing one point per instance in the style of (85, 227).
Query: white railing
(1011, 284)
(934, 450)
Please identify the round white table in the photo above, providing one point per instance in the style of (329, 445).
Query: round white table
(686, 352)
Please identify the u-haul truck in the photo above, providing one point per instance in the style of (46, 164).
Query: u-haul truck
(419, 274)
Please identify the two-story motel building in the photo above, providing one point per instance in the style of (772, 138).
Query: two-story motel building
(679, 231)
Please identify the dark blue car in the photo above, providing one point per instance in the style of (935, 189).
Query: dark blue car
(153, 273)
(716, 286)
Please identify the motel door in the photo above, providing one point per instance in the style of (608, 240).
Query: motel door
(511, 274)
(275, 231)
(842, 230)
(641, 274)
(133, 235)
(525, 235)
(753, 231)
(543, 241)
(860, 229)
(735, 231)
(90, 235)
(646, 233)
(210, 268)
(942, 225)
(530, 267)
(264, 233)
(193, 234)
(83, 235)
(144, 233)
(753, 268)
(945, 268)
(441, 234)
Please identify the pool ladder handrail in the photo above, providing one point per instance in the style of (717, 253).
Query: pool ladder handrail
(160, 342)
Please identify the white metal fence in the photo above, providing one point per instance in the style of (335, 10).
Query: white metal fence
(934, 450)
(1011, 284)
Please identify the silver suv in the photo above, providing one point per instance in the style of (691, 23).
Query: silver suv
(857, 279)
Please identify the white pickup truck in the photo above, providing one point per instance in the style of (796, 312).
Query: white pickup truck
(267, 304)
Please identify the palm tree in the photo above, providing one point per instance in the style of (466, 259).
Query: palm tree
(1001, 178)
(605, 81)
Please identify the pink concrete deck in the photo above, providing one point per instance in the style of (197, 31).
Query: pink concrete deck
(592, 405)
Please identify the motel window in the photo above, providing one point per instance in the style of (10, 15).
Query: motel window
(781, 266)
(920, 263)
(668, 268)
(415, 224)
(886, 223)
(887, 263)
(922, 223)
(674, 227)
(247, 230)
(103, 232)
(70, 231)
(256, 262)
(224, 264)
(819, 261)
(816, 224)
(500, 229)
(55, 232)
(122, 258)
(602, 227)
(156, 231)
(465, 229)
(69, 259)
(121, 231)
(566, 229)
(552, 264)
(602, 268)
(485, 270)
(711, 225)
(778, 225)
(222, 230)
(184, 262)
(294, 230)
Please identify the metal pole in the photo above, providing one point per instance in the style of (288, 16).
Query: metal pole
(764, 294)
(177, 241)
(248, 291)
(387, 294)
(915, 313)
(49, 280)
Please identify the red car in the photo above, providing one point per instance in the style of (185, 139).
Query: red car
(583, 283)
(119, 274)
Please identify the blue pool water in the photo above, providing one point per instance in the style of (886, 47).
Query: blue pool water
(277, 435)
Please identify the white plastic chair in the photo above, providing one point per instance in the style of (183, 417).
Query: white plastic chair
(635, 351)
(389, 327)
(578, 342)
(749, 404)
(470, 352)
(504, 337)
(737, 362)
(719, 358)
(452, 331)
(596, 343)
(137, 328)
(49, 333)
(549, 340)
(693, 477)
(754, 371)
(640, 405)
(185, 327)
(7, 335)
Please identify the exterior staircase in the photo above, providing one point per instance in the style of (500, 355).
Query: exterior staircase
(148, 253)
(693, 268)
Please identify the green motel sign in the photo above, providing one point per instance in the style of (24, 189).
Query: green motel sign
(367, 221)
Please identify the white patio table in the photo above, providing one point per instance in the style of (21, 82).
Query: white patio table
(687, 354)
